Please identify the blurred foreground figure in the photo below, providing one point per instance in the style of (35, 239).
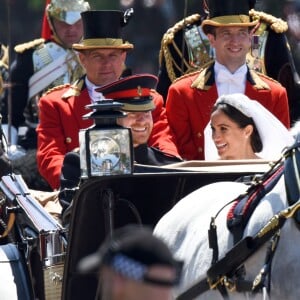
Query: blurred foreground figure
(133, 265)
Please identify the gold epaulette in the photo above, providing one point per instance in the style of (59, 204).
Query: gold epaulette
(187, 75)
(74, 90)
(267, 77)
(205, 66)
(29, 45)
(56, 88)
(276, 24)
(259, 83)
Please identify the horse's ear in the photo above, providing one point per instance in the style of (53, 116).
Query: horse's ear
(295, 131)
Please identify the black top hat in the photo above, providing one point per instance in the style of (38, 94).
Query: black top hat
(103, 28)
(131, 251)
(228, 13)
(133, 91)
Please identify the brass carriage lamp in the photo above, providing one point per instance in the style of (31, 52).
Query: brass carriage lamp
(106, 147)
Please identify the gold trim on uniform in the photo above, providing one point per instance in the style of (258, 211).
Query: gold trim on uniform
(168, 42)
(276, 24)
(56, 88)
(201, 80)
(74, 90)
(259, 83)
(138, 107)
(26, 46)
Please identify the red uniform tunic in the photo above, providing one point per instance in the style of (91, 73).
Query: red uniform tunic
(61, 112)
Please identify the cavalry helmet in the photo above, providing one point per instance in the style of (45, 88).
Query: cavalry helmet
(67, 11)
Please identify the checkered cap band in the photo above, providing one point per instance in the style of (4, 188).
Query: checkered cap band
(128, 267)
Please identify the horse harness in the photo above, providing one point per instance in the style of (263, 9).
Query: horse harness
(226, 274)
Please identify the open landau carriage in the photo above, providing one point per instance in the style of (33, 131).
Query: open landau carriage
(39, 257)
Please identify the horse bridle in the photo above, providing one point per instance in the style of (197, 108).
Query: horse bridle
(221, 274)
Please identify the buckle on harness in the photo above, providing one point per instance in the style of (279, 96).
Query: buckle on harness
(230, 284)
(225, 281)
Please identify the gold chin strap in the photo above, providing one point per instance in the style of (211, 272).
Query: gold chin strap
(54, 35)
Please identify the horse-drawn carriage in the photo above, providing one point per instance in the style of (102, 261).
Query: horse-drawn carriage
(39, 257)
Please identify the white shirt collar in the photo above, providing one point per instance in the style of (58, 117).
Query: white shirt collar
(236, 82)
(217, 67)
(95, 96)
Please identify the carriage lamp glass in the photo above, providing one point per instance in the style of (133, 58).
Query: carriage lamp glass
(105, 152)
(105, 148)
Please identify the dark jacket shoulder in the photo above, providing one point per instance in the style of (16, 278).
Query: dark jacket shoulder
(152, 156)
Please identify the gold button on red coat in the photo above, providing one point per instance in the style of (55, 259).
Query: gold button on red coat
(199, 135)
(200, 149)
(68, 140)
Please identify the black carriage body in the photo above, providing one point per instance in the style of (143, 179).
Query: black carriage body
(105, 203)
(100, 205)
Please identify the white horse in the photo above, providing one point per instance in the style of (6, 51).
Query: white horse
(185, 229)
